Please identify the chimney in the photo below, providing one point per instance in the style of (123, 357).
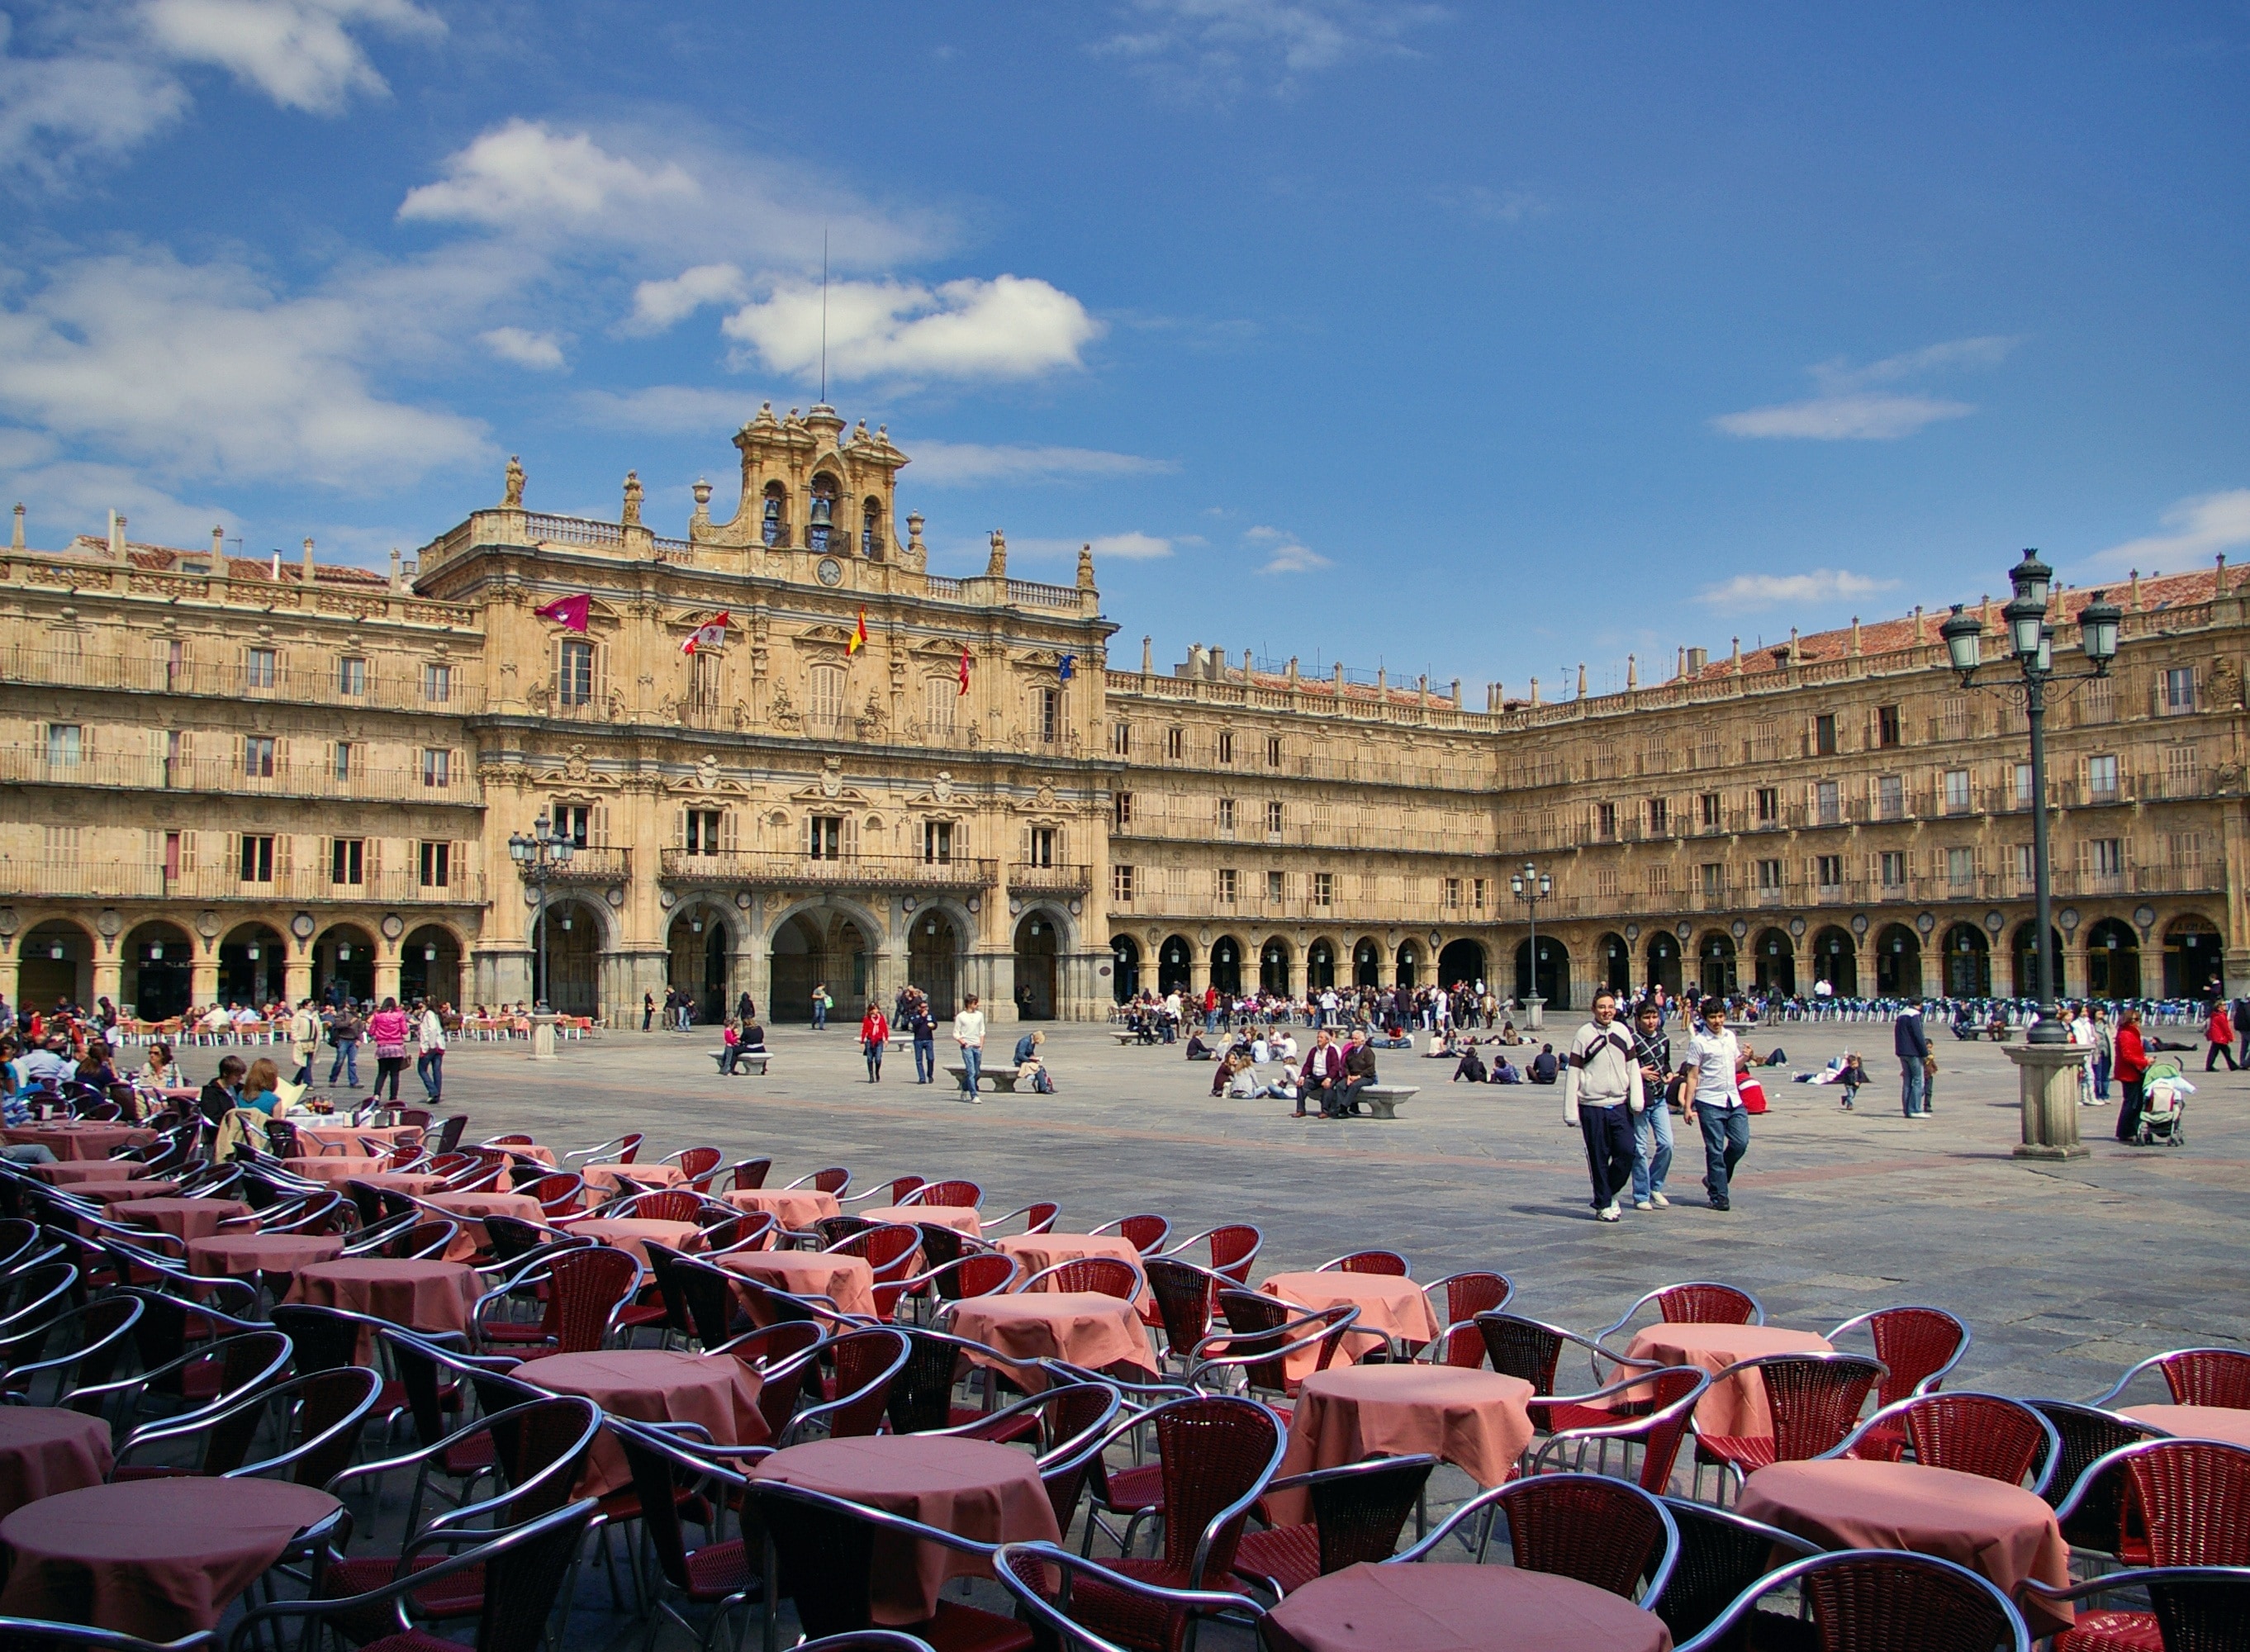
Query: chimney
(1383, 684)
(1736, 662)
(2133, 605)
(308, 559)
(1794, 655)
(116, 537)
(1293, 671)
(394, 566)
(1457, 694)
(16, 534)
(1917, 625)
(1680, 670)
(1423, 689)
(1246, 658)
(1339, 681)
(1698, 659)
(1147, 656)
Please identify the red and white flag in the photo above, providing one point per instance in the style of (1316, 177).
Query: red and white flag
(712, 633)
(964, 671)
(569, 613)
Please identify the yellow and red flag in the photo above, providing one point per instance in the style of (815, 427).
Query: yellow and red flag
(859, 634)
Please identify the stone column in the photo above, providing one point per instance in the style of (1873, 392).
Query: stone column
(109, 979)
(202, 976)
(386, 973)
(2049, 1077)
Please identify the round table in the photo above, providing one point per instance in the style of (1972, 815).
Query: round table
(1737, 1408)
(75, 1141)
(239, 1255)
(962, 1219)
(846, 1281)
(1082, 1327)
(45, 1449)
(416, 1182)
(473, 1208)
(601, 1184)
(182, 1218)
(971, 1488)
(650, 1385)
(1038, 1252)
(1477, 1420)
(1446, 1608)
(69, 1173)
(338, 1167)
(627, 1232)
(793, 1207)
(345, 1139)
(2195, 1422)
(158, 1559)
(123, 1192)
(2001, 1531)
(1387, 1304)
(421, 1296)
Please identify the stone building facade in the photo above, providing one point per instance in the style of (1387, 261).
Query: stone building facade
(233, 778)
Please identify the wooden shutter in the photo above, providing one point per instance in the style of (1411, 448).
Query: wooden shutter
(727, 839)
(849, 838)
(282, 843)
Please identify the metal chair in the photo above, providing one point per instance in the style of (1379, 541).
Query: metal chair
(1694, 1302)
(1983, 1435)
(2196, 1377)
(2192, 1609)
(2191, 1499)
(586, 1290)
(1722, 1554)
(331, 1407)
(1358, 1511)
(2090, 1435)
(1883, 1598)
(1815, 1400)
(1368, 1262)
(747, 1175)
(626, 1147)
(1598, 1530)
(1080, 1588)
(959, 1194)
(716, 1573)
(1230, 1247)
(1038, 1218)
(835, 1180)
(866, 1363)
(1531, 1349)
(36, 1635)
(1145, 1233)
(1670, 1395)
(1101, 1275)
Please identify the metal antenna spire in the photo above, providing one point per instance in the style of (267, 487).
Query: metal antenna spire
(824, 314)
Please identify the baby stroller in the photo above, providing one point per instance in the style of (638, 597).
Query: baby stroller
(2164, 1092)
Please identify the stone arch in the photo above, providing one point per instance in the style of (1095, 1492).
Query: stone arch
(1175, 965)
(1462, 961)
(1613, 963)
(157, 974)
(430, 964)
(343, 962)
(935, 945)
(253, 964)
(698, 946)
(1773, 957)
(1968, 962)
(1367, 961)
(1274, 955)
(1717, 968)
(1041, 939)
(1124, 967)
(1836, 960)
(823, 941)
(1554, 982)
(55, 962)
(1898, 963)
(1664, 963)
(570, 981)
(1412, 959)
(2194, 958)
(1226, 965)
(2024, 956)
(1321, 964)
(2113, 960)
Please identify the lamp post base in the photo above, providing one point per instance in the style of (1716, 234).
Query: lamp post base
(543, 1037)
(2049, 1075)
(1534, 1013)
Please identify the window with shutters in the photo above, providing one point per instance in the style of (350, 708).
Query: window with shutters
(574, 673)
(1272, 750)
(65, 744)
(1176, 744)
(1714, 880)
(700, 831)
(261, 668)
(1121, 885)
(437, 766)
(1227, 816)
(1769, 876)
(61, 843)
(1828, 802)
(1956, 790)
(1606, 820)
(1824, 735)
(1324, 889)
(437, 866)
(1273, 819)
(1121, 809)
(255, 859)
(1890, 796)
(1659, 813)
(351, 676)
(258, 756)
(1657, 880)
(1120, 739)
(2182, 770)
(827, 696)
(1706, 807)
(1226, 886)
(1960, 866)
(1769, 805)
(2097, 700)
(1046, 715)
(703, 683)
(1450, 895)
(1828, 871)
(1322, 819)
(1953, 718)
(936, 842)
(2104, 859)
(1277, 885)
(1225, 747)
(1887, 725)
(346, 764)
(437, 682)
(2026, 867)
(1039, 846)
(938, 694)
(1605, 883)
(826, 840)
(2102, 777)
(570, 821)
(2179, 690)
(2023, 787)
(347, 861)
(1478, 890)
(2184, 851)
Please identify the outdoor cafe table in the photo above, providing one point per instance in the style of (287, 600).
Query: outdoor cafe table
(44, 1449)
(69, 1173)
(416, 1182)
(1387, 1304)
(68, 1140)
(2195, 1422)
(1477, 1420)
(846, 1281)
(650, 1385)
(2002, 1532)
(627, 1232)
(182, 1218)
(793, 1207)
(157, 1559)
(346, 1139)
(962, 1219)
(337, 1167)
(601, 1184)
(473, 1208)
(971, 1488)
(1737, 1408)
(420, 1295)
(1038, 1252)
(1085, 1328)
(239, 1255)
(1371, 1607)
(122, 1193)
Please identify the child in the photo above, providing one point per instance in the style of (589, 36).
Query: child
(1851, 1077)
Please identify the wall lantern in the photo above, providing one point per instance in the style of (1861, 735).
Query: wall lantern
(428, 954)
(343, 952)
(56, 950)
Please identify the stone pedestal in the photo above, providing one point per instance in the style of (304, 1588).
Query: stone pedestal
(542, 1038)
(2050, 1075)
(1534, 1014)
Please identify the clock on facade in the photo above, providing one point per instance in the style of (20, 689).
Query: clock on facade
(831, 571)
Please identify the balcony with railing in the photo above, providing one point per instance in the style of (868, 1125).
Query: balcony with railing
(1053, 878)
(93, 877)
(238, 776)
(594, 864)
(765, 868)
(321, 684)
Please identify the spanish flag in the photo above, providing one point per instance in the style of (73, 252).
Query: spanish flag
(859, 634)
(964, 669)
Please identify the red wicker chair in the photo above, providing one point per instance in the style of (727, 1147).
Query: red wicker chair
(2191, 1497)
(747, 1175)
(834, 1180)
(1531, 1349)
(621, 1150)
(1815, 1400)
(2097, 1517)
(1670, 1396)
(1105, 1276)
(1358, 1511)
(2195, 1609)
(965, 1195)
(1920, 1346)
(1232, 1248)
(586, 1291)
(889, 1250)
(697, 1165)
(1598, 1530)
(1983, 1435)
(659, 1205)
(897, 1191)
(1883, 1598)
(1722, 1554)
(866, 1364)
(1695, 1302)
(1468, 1294)
(1038, 1218)
(1145, 1233)
(1186, 1295)
(2197, 1377)
(561, 1194)
(1262, 1332)
(1060, 1592)
(1368, 1262)
(772, 1353)
(717, 1574)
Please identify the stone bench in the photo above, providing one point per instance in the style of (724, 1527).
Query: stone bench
(1384, 1101)
(1002, 1079)
(756, 1060)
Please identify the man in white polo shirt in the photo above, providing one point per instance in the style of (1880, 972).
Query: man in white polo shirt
(1601, 1093)
(1714, 1099)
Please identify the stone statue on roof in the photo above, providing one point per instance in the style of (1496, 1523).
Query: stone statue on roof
(513, 498)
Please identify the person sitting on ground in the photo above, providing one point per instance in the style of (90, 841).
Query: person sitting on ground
(1286, 1088)
(1545, 1067)
(1285, 1045)
(1472, 1065)
(1199, 1051)
(1506, 1072)
(1508, 1035)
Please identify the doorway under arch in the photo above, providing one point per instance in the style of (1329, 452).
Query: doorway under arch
(1836, 960)
(1320, 966)
(1898, 963)
(2024, 961)
(1773, 961)
(1968, 963)
(698, 944)
(430, 967)
(572, 984)
(56, 966)
(1173, 972)
(1273, 968)
(1226, 965)
(343, 963)
(1613, 963)
(158, 979)
(934, 961)
(1716, 964)
(2195, 959)
(1409, 961)
(1554, 971)
(2113, 960)
(1124, 968)
(253, 966)
(1663, 962)
(1367, 965)
(1036, 945)
(1460, 964)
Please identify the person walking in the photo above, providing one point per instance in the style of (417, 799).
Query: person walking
(386, 1028)
(923, 1025)
(647, 1011)
(1601, 1095)
(2105, 1057)
(874, 1037)
(343, 1033)
(305, 1038)
(430, 1052)
(746, 1008)
(820, 1003)
(1652, 1129)
(2131, 1069)
(969, 1035)
(2218, 1031)
(1713, 1101)
(1910, 1042)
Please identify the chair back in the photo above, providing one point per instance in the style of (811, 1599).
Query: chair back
(1815, 1398)
(559, 1193)
(697, 1163)
(1101, 1276)
(1233, 1248)
(662, 1472)
(2194, 1496)
(1983, 1435)
(834, 1179)
(773, 1350)
(825, 1546)
(2096, 1507)
(1705, 1303)
(1058, 1592)
(1184, 1296)
(1722, 1553)
(2208, 1376)
(1389, 1262)
(1470, 1294)
(1214, 1453)
(1919, 1344)
(324, 1338)
(922, 1397)
(424, 1241)
(1145, 1233)
(1523, 1348)
(706, 1297)
(965, 1195)
(663, 1204)
(585, 1289)
(1602, 1531)
(332, 1409)
(1360, 1509)
(986, 1273)
(747, 1175)
(450, 1132)
(1888, 1598)
(888, 1249)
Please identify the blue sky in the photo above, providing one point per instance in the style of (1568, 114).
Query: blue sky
(1480, 339)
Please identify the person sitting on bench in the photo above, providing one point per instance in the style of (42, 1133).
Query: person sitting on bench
(748, 1041)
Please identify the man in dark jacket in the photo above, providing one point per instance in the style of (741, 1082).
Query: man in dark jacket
(1910, 1042)
(1340, 1100)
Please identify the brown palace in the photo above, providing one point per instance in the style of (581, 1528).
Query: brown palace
(239, 779)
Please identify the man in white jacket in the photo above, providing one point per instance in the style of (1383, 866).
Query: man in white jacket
(430, 1057)
(1601, 1093)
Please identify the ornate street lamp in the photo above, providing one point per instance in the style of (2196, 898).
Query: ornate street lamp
(540, 858)
(2031, 644)
(1532, 886)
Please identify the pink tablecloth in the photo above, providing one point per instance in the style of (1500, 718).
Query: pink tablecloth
(1736, 1408)
(1450, 1608)
(346, 1139)
(601, 1184)
(67, 1173)
(1082, 1327)
(648, 1384)
(182, 1218)
(474, 1208)
(123, 1192)
(1475, 1418)
(960, 1218)
(2003, 1532)
(796, 1207)
(239, 1256)
(421, 1296)
(45, 1450)
(68, 1141)
(972, 1488)
(627, 1233)
(158, 1559)
(1038, 1252)
(335, 1167)
(847, 1280)
(1387, 1304)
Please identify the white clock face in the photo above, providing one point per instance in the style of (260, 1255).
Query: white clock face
(831, 571)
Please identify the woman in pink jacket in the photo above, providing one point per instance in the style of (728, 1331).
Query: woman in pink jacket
(386, 1030)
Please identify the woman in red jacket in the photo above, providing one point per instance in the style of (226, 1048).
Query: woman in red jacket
(2132, 1067)
(2220, 1029)
(874, 1034)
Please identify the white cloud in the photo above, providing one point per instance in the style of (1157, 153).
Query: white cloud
(658, 305)
(540, 350)
(2202, 527)
(1284, 553)
(61, 112)
(1767, 590)
(1010, 327)
(1128, 547)
(941, 464)
(522, 173)
(1848, 410)
(1212, 45)
(203, 371)
(1836, 418)
(301, 53)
